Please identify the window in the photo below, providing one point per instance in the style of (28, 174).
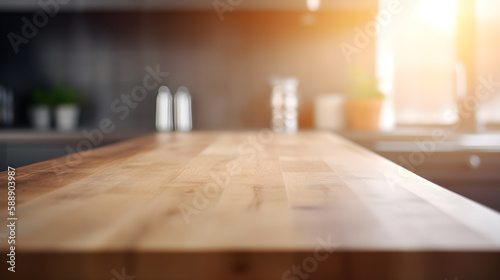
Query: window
(416, 62)
(488, 56)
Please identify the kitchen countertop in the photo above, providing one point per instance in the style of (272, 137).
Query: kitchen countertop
(212, 205)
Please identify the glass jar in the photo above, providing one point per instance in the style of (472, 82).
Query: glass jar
(284, 103)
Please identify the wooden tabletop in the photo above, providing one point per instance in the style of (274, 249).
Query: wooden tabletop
(238, 192)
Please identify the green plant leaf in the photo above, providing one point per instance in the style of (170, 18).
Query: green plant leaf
(363, 85)
(41, 97)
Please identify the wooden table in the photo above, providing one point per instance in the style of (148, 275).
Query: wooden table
(249, 205)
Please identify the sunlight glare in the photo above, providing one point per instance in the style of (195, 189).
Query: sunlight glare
(313, 5)
(440, 13)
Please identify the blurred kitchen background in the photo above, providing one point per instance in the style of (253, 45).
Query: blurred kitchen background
(417, 81)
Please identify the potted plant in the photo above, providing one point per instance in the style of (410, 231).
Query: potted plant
(67, 109)
(41, 101)
(364, 102)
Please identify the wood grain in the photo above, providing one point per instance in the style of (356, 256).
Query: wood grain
(247, 195)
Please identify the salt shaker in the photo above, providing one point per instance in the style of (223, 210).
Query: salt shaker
(164, 110)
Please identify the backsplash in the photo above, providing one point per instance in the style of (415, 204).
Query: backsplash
(225, 64)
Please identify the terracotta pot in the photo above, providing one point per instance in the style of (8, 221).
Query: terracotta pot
(364, 114)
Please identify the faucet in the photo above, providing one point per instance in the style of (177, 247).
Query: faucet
(467, 119)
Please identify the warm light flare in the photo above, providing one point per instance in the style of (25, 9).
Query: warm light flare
(313, 5)
(440, 13)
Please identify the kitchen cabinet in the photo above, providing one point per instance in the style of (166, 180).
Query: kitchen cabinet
(468, 164)
(473, 174)
(252, 205)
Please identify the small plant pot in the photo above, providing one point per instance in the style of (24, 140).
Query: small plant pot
(40, 117)
(364, 114)
(67, 116)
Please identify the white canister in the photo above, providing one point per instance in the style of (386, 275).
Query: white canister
(329, 111)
